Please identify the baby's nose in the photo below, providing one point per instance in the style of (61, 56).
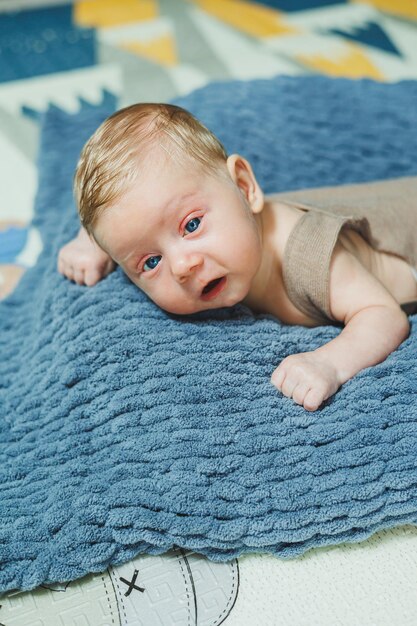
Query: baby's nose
(185, 265)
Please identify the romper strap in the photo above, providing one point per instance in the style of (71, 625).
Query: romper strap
(307, 256)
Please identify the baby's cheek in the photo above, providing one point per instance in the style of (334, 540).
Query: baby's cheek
(170, 299)
(166, 295)
(140, 284)
(135, 280)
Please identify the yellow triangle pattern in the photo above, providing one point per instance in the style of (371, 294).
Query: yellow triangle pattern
(107, 13)
(405, 8)
(254, 19)
(353, 64)
(161, 50)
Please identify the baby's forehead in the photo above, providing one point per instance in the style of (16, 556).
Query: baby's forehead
(165, 155)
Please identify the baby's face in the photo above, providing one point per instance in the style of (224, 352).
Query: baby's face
(190, 240)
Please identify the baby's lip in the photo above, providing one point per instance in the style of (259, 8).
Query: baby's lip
(213, 287)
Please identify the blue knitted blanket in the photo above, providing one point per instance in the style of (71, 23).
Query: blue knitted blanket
(125, 429)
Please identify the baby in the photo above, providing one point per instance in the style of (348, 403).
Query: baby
(190, 226)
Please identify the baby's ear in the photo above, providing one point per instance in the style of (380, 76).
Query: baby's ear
(242, 175)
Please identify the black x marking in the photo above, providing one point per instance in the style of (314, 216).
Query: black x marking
(132, 583)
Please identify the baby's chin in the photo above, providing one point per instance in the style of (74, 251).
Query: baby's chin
(190, 310)
(200, 306)
(231, 294)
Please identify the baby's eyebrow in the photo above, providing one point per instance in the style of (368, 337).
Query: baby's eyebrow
(170, 209)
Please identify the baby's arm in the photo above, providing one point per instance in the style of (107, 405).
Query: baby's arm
(83, 261)
(375, 326)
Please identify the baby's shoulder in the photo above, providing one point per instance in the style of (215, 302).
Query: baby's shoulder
(286, 217)
(282, 220)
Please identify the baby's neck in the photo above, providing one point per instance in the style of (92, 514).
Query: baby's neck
(267, 284)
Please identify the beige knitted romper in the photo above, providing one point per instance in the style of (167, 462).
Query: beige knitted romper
(383, 212)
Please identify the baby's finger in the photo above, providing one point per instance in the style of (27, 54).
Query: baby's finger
(300, 393)
(79, 277)
(91, 277)
(313, 400)
(69, 272)
(278, 377)
(288, 386)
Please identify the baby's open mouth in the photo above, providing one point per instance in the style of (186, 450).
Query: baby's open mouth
(213, 288)
(211, 285)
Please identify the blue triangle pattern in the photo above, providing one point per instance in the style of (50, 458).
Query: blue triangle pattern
(108, 101)
(31, 113)
(301, 5)
(370, 34)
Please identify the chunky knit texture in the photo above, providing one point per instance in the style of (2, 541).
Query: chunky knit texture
(125, 429)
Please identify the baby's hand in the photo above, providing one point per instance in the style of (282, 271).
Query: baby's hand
(83, 261)
(307, 378)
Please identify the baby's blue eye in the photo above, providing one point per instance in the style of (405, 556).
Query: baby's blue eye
(193, 224)
(152, 262)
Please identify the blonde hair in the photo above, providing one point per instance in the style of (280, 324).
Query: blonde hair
(109, 161)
